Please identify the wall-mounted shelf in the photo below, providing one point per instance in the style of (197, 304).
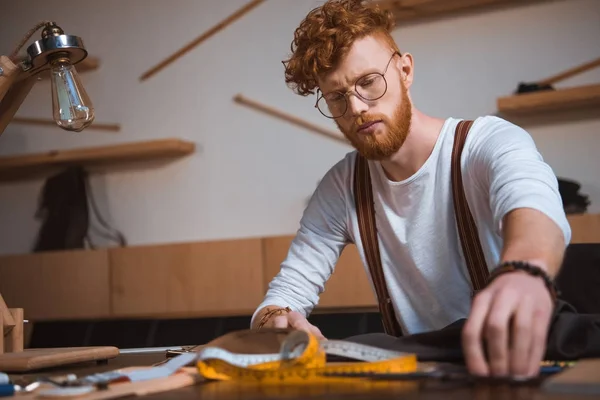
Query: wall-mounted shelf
(52, 124)
(32, 165)
(411, 10)
(526, 104)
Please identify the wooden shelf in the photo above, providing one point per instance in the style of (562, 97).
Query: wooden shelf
(32, 165)
(52, 124)
(575, 98)
(411, 10)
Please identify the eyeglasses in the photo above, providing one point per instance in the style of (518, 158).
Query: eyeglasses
(368, 87)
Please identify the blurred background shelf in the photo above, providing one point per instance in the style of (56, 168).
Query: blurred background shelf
(51, 123)
(34, 165)
(568, 99)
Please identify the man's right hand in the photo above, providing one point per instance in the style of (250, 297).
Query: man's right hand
(294, 320)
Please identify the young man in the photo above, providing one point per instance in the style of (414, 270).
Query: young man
(344, 53)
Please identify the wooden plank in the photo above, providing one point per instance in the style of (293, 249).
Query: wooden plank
(5, 314)
(13, 99)
(52, 123)
(14, 341)
(551, 101)
(188, 279)
(348, 287)
(57, 285)
(585, 228)
(198, 279)
(37, 359)
(290, 118)
(413, 10)
(24, 166)
(205, 36)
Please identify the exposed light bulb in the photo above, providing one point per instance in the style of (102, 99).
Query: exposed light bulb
(71, 106)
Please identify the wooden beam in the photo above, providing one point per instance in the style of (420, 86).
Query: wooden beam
(413, 10)
(290, 118)
(52, 123)
(5, 314)
(10, 72)
(13, 91)
(196, 42)
(24, 166)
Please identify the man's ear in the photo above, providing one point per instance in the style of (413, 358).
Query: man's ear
(406, 67)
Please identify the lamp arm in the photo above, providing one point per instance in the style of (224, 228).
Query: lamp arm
(13, 90)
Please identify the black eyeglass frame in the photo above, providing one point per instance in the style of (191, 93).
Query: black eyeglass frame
(355, 91)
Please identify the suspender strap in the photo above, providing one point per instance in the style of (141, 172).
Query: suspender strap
(467, 229)
(363, 195)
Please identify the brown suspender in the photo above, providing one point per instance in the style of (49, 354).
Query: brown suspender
(365, 210)
(467, 230)
(473, 253)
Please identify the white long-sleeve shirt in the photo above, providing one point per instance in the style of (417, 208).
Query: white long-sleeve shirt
(421, 254)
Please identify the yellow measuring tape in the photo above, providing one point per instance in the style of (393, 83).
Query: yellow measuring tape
(302, 358)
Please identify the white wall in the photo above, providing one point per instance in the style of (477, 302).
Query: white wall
(252, 173)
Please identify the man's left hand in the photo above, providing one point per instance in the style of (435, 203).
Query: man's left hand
(510, 318)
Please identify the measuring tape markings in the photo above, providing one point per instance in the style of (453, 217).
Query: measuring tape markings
(302, 358)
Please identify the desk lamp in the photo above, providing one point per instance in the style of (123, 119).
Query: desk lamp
(72, 111)
(57, 53)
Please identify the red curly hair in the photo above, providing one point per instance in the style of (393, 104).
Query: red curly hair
(325, 36)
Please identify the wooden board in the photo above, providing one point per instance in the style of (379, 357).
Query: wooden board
(195, 279)
(57, 285)
(186, 376)
(28, 165)
(582, 378)
(585, 228)
(414, 10)
(550, 101)
(348, 287)
(187, 279)
(35, 359)
(52, 124)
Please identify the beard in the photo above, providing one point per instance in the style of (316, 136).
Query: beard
(377, 146)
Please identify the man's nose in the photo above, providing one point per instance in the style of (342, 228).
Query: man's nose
(356, 105)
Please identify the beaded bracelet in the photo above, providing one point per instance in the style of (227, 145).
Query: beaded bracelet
(533, 270)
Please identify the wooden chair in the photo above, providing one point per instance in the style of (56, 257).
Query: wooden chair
(11, 325)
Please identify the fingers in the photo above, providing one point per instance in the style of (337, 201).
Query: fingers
(539, 331)
(521, 339)
(472, 337)
(280, 321)
(298, 321)
(497, 331)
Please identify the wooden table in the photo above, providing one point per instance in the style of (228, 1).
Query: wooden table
(347, 391)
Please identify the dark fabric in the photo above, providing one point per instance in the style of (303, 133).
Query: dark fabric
(572, 336)
(579, 277)
(65, 214)
(573, 201)
(63, 210)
